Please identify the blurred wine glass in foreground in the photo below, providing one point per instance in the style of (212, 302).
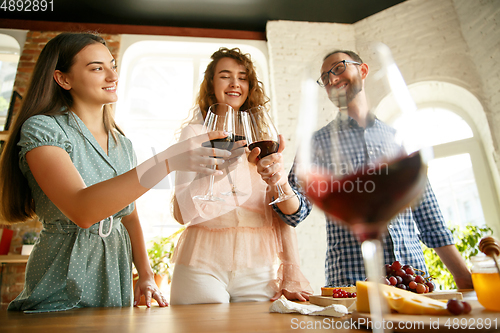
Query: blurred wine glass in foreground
(340, 174)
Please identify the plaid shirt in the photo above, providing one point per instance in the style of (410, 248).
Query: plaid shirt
(344, 262)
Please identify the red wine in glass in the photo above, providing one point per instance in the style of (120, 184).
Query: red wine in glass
(224, 143)
(238, 137)
(371, 196)
(260, 132)
(267, 147)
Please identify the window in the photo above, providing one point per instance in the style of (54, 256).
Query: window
(9, 58)
(461, 174)
(159, 80)
(453, 182)
(452, 177)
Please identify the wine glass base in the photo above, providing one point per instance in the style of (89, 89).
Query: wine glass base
(282, 198)
(208, 197)
(236, 192)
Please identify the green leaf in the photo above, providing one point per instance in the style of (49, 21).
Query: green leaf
(160, 251)
(466, 241)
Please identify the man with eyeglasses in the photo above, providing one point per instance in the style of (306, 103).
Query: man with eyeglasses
(344, 266)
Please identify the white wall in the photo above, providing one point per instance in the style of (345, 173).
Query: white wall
(455, 41)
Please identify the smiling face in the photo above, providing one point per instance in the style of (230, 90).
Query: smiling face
(351, 79)
(230, 83)
(92, 78)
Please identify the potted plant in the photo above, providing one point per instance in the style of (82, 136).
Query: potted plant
(29, 239)
(160, 251)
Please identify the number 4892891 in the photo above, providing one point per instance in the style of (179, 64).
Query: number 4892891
(27, 5)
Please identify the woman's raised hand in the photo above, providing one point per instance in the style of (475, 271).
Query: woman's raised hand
(236, 154)
(189, 155)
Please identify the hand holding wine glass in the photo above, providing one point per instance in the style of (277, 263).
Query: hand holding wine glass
(220, 117)
(261, 133)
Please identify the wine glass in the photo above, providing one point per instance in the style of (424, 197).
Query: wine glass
(261, 132)
(339, 175)
(220, 117)
(239, 135)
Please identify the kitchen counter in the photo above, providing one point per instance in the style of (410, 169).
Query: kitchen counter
(233, 317)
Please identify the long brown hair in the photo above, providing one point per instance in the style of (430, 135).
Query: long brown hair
(256, 95)
(43, 97)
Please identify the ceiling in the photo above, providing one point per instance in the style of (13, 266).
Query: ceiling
(249, 15)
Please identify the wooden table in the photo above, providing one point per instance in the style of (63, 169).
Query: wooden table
(10, 259)
(234, 317)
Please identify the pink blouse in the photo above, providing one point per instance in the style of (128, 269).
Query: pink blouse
(242, 232)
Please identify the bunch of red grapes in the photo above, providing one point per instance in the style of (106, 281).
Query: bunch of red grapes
(405, 277)
(339, 293)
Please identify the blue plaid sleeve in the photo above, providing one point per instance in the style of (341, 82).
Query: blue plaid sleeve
(305, 205)
(430, 221)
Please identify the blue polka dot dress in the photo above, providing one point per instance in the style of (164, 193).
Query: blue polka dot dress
(72, 267)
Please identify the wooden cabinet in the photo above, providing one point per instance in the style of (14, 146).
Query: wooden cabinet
(4, 135)
(13, 259)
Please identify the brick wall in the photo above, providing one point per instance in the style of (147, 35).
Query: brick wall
(454, 41)
(13, 274)
(35, 41)
(480, 27)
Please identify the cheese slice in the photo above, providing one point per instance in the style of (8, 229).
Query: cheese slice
(399, 300)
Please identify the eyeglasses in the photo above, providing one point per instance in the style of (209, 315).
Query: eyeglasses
(337, 69)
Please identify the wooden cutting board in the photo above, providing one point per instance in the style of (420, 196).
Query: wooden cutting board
(439, 294)
(478, 320)
(329, 300)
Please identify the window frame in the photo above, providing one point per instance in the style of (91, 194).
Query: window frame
(436, 94)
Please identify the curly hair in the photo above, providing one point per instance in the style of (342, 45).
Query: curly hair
(256, 95)
(206, 96)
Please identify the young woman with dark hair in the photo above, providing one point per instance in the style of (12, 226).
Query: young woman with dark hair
(68, 164)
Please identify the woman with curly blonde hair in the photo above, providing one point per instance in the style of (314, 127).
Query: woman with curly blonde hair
(240, 251)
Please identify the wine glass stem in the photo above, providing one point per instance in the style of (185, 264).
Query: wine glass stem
(372, 256)
(233, 184)
(211, 184)
(281, 194)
